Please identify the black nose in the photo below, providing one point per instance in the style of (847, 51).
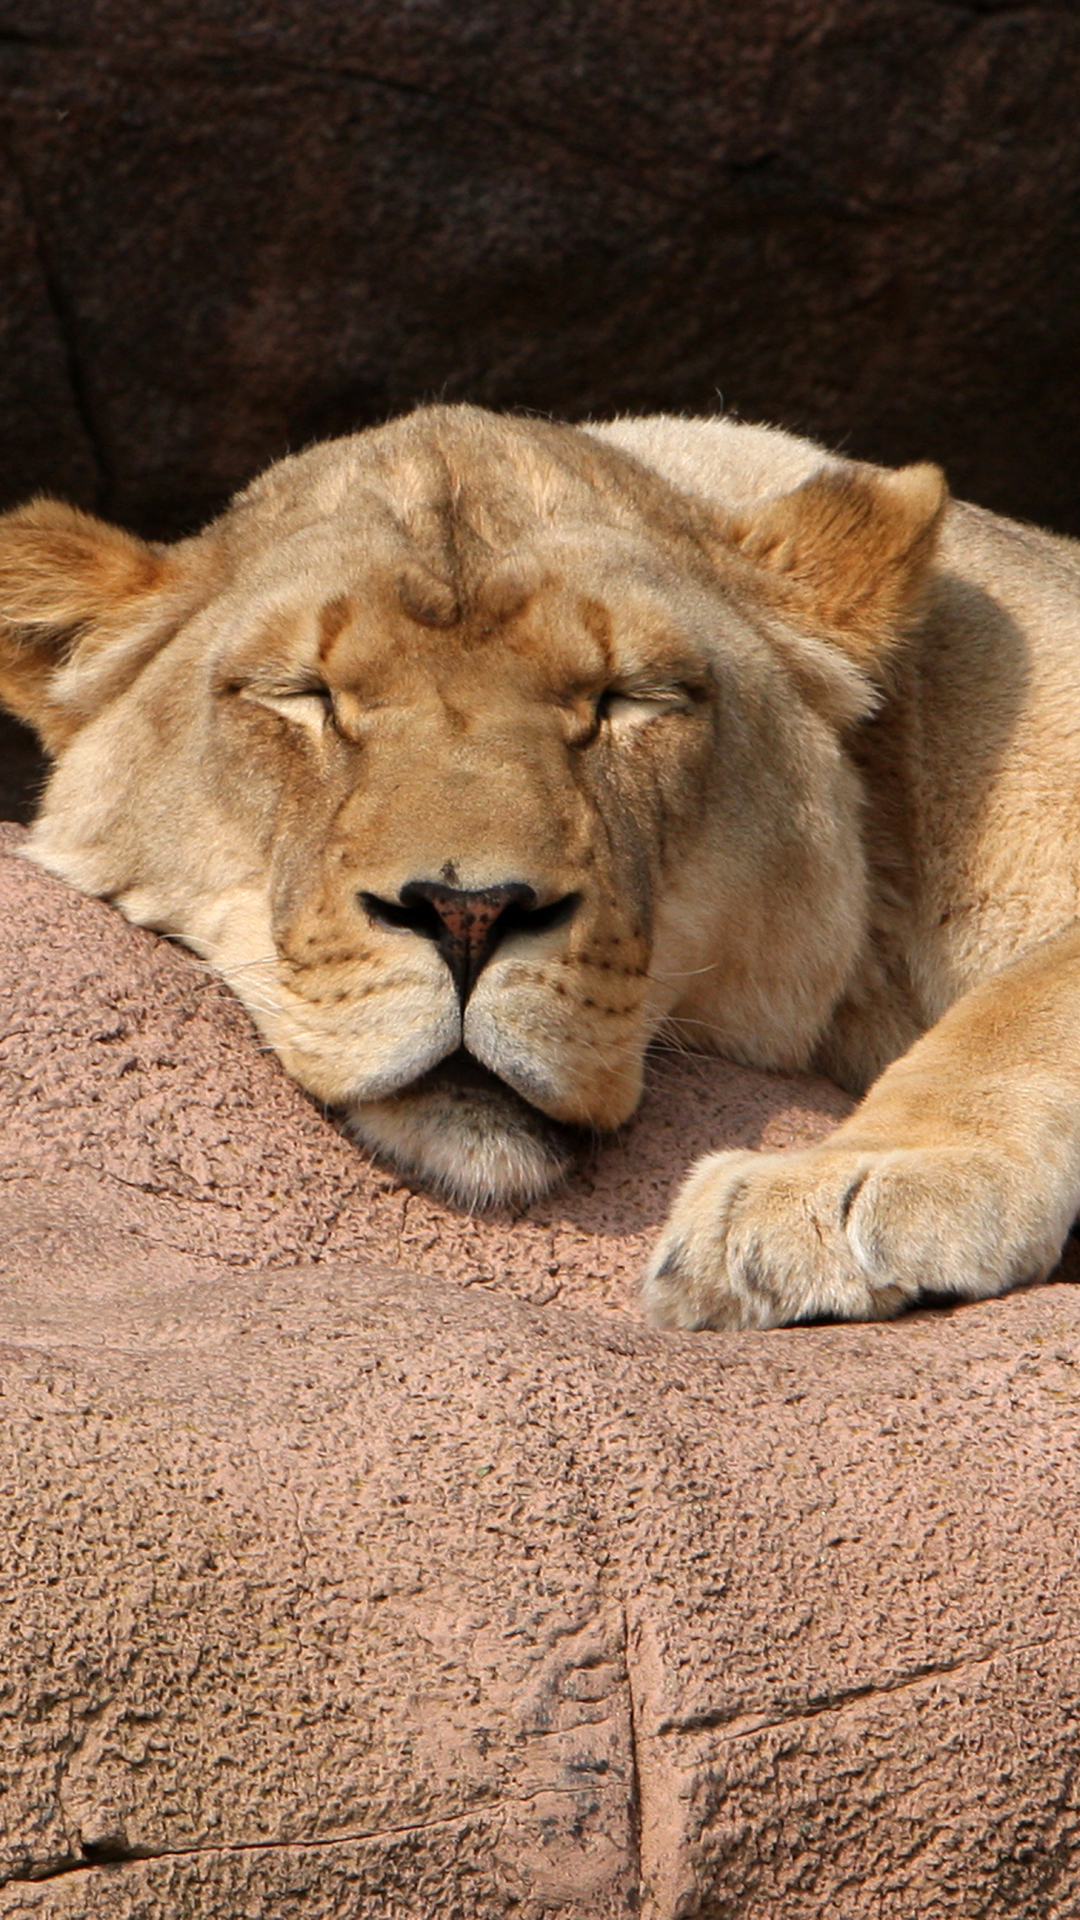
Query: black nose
(467, 927)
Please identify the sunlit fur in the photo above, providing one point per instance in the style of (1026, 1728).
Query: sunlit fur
(792, 737)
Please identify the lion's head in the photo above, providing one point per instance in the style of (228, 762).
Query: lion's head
(469, 751)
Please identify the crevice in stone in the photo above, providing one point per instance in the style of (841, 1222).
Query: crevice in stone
(114, 1853)
(737, 1726)
(634, 1783)
(64, 321)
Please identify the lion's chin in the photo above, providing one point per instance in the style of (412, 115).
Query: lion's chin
(466, 1135)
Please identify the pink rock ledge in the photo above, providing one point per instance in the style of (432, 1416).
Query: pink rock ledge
(363, 1559)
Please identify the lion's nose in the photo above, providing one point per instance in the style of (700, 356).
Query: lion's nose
(468, 927)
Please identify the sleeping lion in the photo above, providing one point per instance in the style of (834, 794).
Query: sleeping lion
(476, 752)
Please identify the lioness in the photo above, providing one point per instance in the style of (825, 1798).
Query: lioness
(474, 752)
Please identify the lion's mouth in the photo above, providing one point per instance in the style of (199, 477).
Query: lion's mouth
(462, 1131)
(463, 1070)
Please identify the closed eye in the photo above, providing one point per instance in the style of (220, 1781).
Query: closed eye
(311, 706)
(644, 702)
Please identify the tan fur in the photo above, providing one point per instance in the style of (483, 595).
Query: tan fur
(771, 751)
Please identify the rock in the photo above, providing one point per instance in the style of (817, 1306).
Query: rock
(22, 770)
(238, 227)
(46, 444)
(370, 1559)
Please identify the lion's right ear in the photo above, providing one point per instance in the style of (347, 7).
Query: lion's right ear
(75, 595)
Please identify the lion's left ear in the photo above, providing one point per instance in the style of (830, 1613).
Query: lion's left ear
(852, 546)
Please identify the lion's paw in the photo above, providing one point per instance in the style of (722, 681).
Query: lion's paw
(763, 1240)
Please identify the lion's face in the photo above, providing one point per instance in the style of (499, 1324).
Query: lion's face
(468, 820)
(468, 753)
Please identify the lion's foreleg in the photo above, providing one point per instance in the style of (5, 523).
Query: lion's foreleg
(959, 1173)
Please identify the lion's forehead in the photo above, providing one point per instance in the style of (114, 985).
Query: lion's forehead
(552, 622)
(455, 525)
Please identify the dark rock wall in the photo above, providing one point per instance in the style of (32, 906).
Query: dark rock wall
(22, 769)
(230, 226)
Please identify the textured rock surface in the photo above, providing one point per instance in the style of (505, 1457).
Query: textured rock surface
(336, 1589)
(228, 228)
